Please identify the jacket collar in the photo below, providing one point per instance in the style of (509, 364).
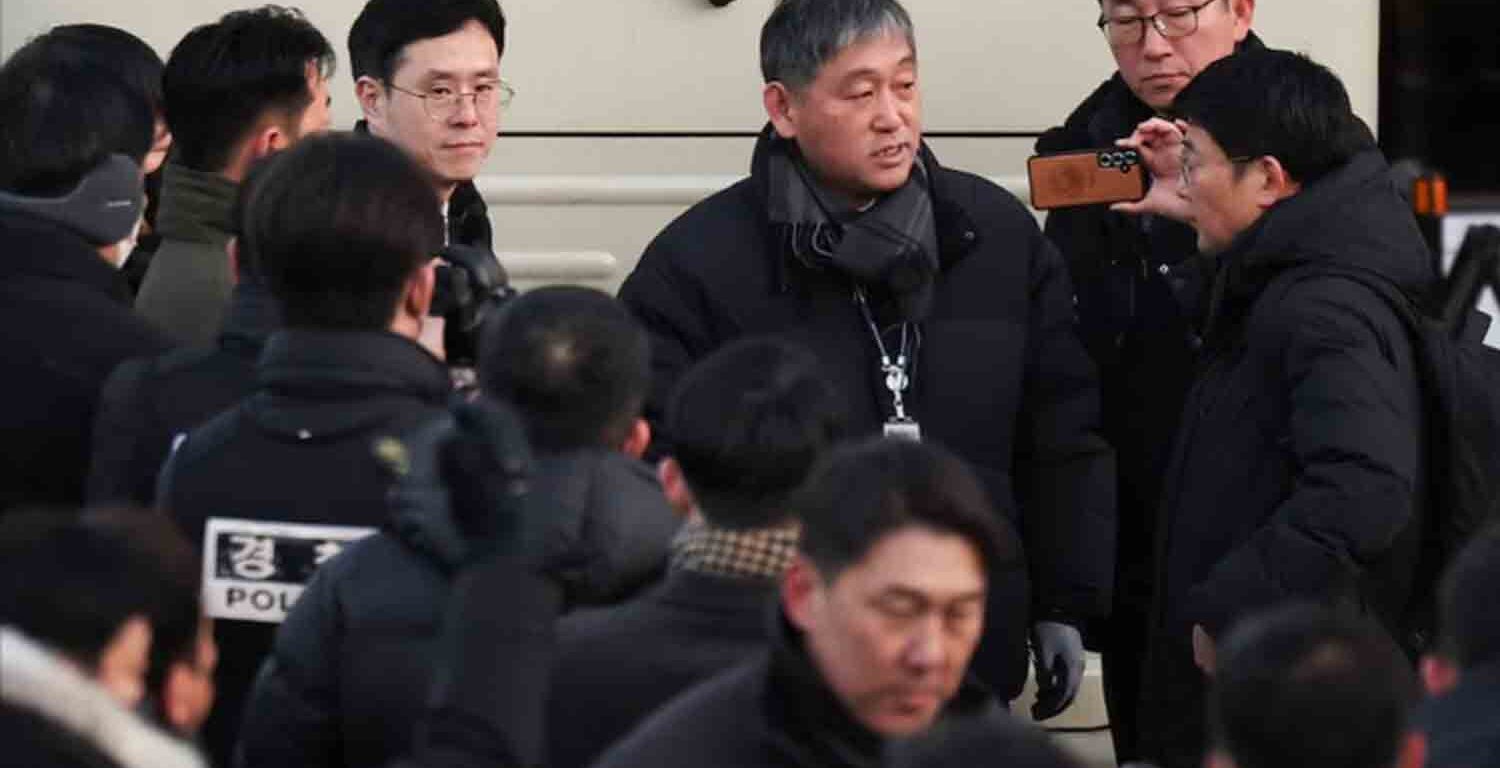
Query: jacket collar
(956, 231)
(251, 319)
(1351, 217)
(195, 205)
(43, 249)
(35, 679)
(808, 719)
(322, 364)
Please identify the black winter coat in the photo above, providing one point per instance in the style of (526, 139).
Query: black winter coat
(1000, 378)
(615, 666)
(299, 450)
(1297, 469)
(148, 401)
(1137, 280)
(65, 323)
(773, 710)
(346, 681)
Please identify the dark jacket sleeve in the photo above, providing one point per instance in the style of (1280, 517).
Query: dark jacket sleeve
(489, 697)
(290, 717)
(1352, 435)
(1064, 470)
(121, 444)
(672, 312)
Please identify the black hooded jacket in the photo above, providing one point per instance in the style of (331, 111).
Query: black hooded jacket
(1297, 472)
(1000, 378)
(299, 450)
(65, 323)
(347, 679)
(1139, 284)
(148, 401)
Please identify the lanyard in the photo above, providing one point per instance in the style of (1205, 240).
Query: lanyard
(897, 377)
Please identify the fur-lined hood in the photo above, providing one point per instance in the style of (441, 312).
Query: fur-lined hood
(35, 679)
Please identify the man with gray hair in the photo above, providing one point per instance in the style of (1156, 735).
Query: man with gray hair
(930, 296)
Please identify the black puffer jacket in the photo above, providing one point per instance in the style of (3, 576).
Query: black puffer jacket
(347, 678)
(148, 401)
(1140, 283)
(1297, 469)
(65, 323)
(298, 451)
(1001, 378)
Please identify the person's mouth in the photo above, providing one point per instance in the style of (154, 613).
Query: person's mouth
(891, 154)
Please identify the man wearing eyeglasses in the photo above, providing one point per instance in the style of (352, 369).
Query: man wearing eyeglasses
(427, 77)
(1298, 469)
(1138, 284)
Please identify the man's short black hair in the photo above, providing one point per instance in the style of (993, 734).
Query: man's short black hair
(1470, 623)
(747, 423)
(384, 28)
(134, 60)
(1303, 687)
(153, 538)
(71, 580)
(1278, 103)
(225, 79)
(64, 115)
(861, 492)
(337, 226)
(573, 362)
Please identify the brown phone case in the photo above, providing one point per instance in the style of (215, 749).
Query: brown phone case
(1086, 177)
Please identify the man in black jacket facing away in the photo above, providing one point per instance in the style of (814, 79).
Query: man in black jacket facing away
(343, 232)
(1297, 471)
(71, 197)
(345, 681)
(880, 613)
(747, 424)
(934, 301)
(1138, 282)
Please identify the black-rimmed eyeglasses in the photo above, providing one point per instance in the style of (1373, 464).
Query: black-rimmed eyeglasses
(1172, 22)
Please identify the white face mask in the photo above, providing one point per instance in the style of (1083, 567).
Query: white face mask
(126, 246)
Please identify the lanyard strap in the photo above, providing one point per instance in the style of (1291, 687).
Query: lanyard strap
(897, 376)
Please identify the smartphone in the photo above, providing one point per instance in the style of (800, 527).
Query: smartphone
(1086, 177)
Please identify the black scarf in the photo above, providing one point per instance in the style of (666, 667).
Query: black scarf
(889, 248)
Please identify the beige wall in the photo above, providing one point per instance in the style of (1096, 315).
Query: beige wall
(581, 209)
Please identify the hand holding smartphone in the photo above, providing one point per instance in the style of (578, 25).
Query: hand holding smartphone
(1086, 177)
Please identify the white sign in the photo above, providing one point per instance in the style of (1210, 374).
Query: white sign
(255, 571)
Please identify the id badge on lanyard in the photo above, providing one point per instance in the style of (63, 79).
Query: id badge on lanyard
(899, 425)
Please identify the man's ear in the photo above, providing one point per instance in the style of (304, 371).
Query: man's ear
(416, 297)
(781, 109)
(1439, 674)
(371, 96)
(637, 440)
(1273, 183)
(674, 484)
(1244, 17)
(800, 592)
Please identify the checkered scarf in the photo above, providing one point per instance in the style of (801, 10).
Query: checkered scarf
(755, 553)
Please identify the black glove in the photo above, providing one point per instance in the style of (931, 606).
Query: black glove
(459, 485)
